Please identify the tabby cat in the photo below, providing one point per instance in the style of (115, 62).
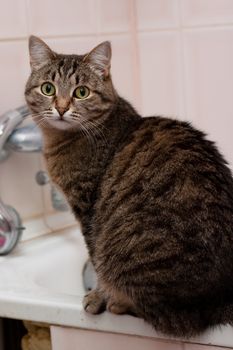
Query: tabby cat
(153, 195)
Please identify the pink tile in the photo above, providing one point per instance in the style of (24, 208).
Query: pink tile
(161, 73)
(122, 66)
(209, 83)
(153, 14)
(113, 16)
(72, 45)
(207, 12)
(13, 19)
(18, 187)
(51, 18)
(14, 71)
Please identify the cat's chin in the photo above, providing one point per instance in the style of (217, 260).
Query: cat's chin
(61, 125)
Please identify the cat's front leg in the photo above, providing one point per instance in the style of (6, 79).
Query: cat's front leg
(94, 302)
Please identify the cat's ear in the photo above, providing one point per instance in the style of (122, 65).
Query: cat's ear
(100, 59)
(40, 53)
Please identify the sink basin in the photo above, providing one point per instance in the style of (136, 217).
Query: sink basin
(42, 280)
(44, 271)
(65, 278)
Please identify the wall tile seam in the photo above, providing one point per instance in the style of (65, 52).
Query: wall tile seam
(27, 14)
(135, 47)
(182, 63)
(186, 28)
(94, 34)
(71, 36)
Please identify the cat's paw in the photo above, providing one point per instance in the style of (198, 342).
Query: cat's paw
(121, 307)
(117, 308)
(94, 302)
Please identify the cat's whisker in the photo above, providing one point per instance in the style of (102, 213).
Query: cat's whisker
(91, 133)
(96, 132)
(86, 132)
(42, 120)
(90, 138)
(96, 128)
(92, 127)
(28, 117)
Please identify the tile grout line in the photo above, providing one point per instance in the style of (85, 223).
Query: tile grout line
(68, 36)
(141, 31)
(136, 55)
(97, 21)
(27, 12)
(182, 63)
(188, 27)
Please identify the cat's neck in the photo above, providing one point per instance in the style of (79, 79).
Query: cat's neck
(77, 163)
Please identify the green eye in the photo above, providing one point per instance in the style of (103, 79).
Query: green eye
(48, 89)
(81, 92)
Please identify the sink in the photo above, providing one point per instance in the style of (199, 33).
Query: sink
(42, 281)
(45, 271)
(65, 277)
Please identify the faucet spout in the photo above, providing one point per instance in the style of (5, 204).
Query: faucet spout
(25, 139)
(8, 122)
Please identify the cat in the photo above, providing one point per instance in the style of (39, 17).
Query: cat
(154, 196)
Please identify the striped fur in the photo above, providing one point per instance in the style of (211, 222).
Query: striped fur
(155, 200)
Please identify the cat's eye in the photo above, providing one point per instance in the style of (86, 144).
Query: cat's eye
(81, 92)
(48, 89)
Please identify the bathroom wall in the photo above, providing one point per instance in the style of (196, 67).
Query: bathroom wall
(170, 57)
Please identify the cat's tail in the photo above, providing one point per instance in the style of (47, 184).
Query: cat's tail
(188, 322)
(223, 314)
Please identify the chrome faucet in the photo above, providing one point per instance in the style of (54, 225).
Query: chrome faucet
(10, 228)
(23, 139)
(14, 137)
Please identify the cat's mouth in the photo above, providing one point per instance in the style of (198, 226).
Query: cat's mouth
(61, 119)
(64, 122)
(60, 123)
(53, 119)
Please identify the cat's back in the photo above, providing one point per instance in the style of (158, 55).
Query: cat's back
(166, 177)
(164, 156)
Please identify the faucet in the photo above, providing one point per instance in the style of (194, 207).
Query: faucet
(10, 228)
(14, 137)
(23, 139)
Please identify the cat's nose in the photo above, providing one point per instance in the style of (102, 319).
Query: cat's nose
(61, 110)
(62, 105)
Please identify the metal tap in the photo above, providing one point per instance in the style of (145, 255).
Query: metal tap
(22, 139)
(14, 137)
(10, 228)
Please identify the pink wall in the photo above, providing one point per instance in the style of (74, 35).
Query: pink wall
(170, 57)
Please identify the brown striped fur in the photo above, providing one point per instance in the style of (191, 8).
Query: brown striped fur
(153, 195)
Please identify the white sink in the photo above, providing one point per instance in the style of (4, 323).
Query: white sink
(42, 281)
(45, 271)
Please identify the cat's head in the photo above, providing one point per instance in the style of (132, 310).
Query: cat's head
(69, 92)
